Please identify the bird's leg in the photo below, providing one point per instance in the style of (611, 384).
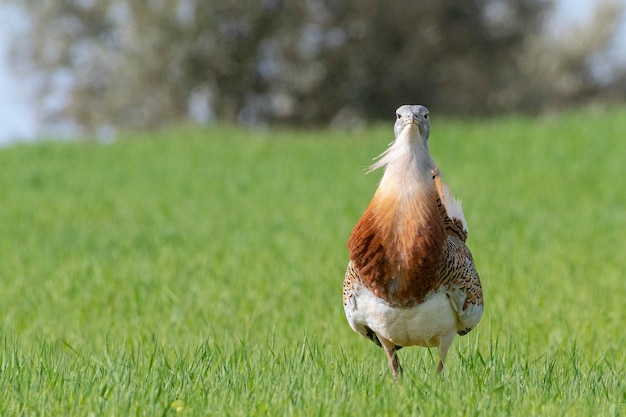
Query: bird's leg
(392, 357)
(444, 345)
(394, 363)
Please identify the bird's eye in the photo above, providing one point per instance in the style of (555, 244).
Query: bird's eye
(426, 116)
(398, 115)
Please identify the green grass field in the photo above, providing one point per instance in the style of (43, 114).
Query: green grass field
(199, 272)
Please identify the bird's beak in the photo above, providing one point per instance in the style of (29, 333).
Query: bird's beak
(417, 122)
(413, 120)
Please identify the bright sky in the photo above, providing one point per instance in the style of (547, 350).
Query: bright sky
(18, 120)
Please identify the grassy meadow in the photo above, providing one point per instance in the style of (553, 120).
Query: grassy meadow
(198, 272)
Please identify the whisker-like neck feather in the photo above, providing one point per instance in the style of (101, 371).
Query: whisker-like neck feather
(408, 167)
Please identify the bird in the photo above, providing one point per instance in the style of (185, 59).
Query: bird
(411, 279)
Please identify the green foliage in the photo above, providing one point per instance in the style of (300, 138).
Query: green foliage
(198, 272)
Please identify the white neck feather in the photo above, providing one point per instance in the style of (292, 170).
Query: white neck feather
(408, 166)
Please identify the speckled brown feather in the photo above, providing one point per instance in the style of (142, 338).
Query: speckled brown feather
(457, 272)
(454, 227)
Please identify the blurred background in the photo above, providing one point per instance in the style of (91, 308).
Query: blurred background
(92, 67)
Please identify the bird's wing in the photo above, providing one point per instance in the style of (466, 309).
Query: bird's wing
(458, 273)
(462, 284)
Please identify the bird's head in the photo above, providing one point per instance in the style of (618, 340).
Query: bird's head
(411, 131)
(412, 121)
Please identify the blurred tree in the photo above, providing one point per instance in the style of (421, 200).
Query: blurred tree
(130, 63)
(572, 66)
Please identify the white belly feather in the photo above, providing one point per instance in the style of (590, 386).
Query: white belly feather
(422, 325)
